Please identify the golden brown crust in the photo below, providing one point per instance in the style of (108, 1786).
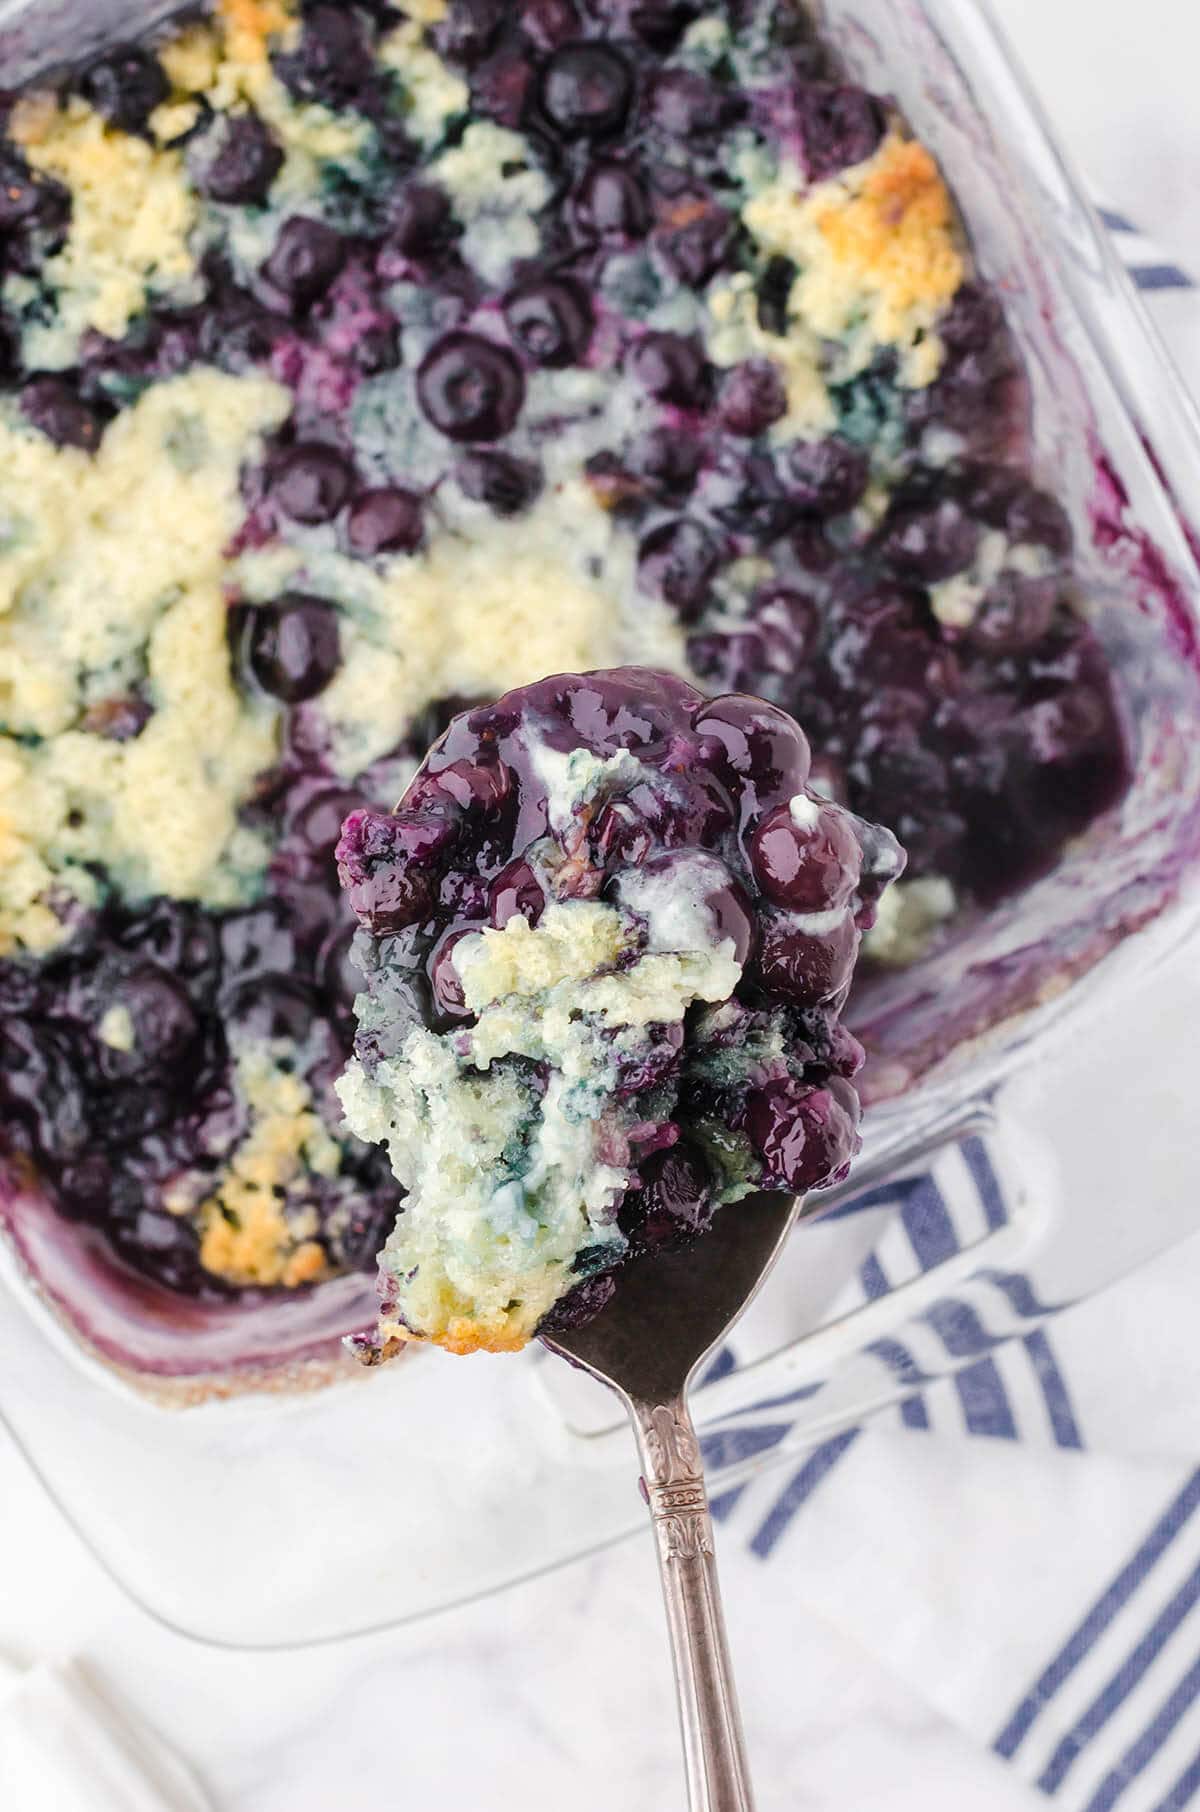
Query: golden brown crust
(461, 1336)
(249, 26)
(477, 1337)
(899, 227)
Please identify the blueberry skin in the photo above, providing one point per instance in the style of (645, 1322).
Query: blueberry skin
(611, 203)
(28, 199)
(387, 520)
(333, 61)
(672, 367)
(508, 485)
(678, 562)
(469, 30)
(126, 86)
(245, 164)
(839, 127)
(752, 397)
(586, 90)
(55, 408)
(311, 482)
(471, 389)
(550, 320)
(420, 218)
(305, 259)
(294, 647)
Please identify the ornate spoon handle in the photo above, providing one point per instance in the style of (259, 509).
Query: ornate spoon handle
(713, 1749)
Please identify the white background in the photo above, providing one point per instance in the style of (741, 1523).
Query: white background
(558, 1694)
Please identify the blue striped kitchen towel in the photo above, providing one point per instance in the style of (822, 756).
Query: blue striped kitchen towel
(1152, 269)
(1043, 1586)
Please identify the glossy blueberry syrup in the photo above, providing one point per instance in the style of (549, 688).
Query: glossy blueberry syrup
(793, 881)
(985, 748)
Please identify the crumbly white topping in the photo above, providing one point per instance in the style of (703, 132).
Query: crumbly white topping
(111, 579)
(511, 1180)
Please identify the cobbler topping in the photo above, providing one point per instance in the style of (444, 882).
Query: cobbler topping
(608, 932)
(359, 363)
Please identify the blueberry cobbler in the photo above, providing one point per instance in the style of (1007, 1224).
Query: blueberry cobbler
(361, 362)
(609, 932)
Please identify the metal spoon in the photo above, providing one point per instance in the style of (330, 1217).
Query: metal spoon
(668, 1314)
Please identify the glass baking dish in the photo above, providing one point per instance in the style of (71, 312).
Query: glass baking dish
(287, 1514)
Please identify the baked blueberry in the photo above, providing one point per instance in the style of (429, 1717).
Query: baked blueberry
(752, 397)
(806, 857)
(586, 90)
(687, 105)
(696, 248)
(419, 219)
(972, 320)
(505, 483)
(378, 349)
(293, 646)
(549, 23)
(671, 367)
(333, 61)
(839, 126)
(742, 491)
(126, 86)
(305, 259)
(311, 482)
(319, 822)
(611, 203)
(469, 29)
(53, 405)
(551, 321)
(928, 542)
(470, 388)
(385, 521)
(824, 477)
(163, 1026)
(667, 462)
(238, 331)
(242, 163)
(678, 561)
(28, 199)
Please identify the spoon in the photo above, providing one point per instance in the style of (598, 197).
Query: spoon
(672, 1309)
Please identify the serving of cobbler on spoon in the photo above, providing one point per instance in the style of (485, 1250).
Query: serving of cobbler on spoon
(607, 934)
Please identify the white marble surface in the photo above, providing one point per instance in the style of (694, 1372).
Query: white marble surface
(558, 1693)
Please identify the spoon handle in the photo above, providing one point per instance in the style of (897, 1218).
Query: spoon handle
(713, 1748)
